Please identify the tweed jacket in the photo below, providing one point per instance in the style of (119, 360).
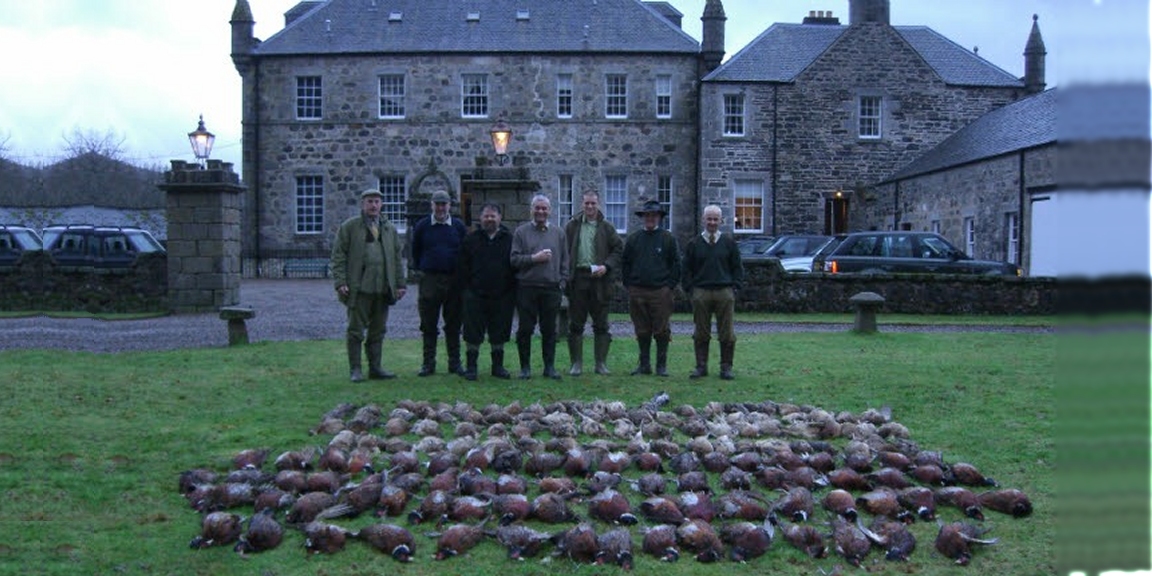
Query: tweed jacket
(607, 248)
(348, 256)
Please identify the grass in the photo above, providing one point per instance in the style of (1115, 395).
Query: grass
(94, 443)
(881, 319)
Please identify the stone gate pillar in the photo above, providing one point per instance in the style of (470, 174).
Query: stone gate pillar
(204, 207)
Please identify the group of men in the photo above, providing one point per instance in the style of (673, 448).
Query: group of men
(476, 280)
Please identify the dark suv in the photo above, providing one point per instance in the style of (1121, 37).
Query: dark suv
(15, 241)
(905, 252)
(99, 246)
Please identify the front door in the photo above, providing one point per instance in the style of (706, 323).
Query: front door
(835, 216)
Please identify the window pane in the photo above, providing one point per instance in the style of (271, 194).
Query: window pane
(749, 206)
(616, 96)
(308, 97)
(664, 96)
(970, 237)
(869, 116)
(392, 96)
(395, 197)
(733, 114)
(474, 95)
(1012, 225)
(564, 199)
(309, 204)
(564, 95)
(664, 197)
(616, 201)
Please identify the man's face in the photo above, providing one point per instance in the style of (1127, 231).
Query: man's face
(489, 220)
(440, 210)
(711, 222)
(651, 220)
(371, 206)
(591, 207)
(540, 212)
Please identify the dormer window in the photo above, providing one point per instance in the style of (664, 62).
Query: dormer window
(473, 17)
(395, 16)
(522, 15)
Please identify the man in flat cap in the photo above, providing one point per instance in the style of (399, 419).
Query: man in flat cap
(369, 277)
(650, 270)
(436, 241)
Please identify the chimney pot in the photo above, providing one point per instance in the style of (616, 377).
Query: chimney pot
(811, 13)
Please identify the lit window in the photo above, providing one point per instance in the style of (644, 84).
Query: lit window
(474, 95)
(1012, 229)
(309, 205)
(308, 98)
(565, 190)
(393, 190)
(749, 206)
(392, 96)
(664, 96)
(615, 201)
(733, 114)
(870, 116)
(664, 197)
(564, 96)
(970, 237)
(616, 96)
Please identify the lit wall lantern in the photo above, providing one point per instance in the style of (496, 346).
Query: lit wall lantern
(201, 140)
(501, 137)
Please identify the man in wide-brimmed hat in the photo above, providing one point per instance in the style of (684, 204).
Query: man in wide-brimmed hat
(650, 269)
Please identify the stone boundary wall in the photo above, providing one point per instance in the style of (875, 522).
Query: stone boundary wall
(36, 283)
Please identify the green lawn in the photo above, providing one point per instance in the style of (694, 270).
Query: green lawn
(94, 443)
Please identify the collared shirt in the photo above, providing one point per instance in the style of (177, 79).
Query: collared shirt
(708, 237)
(585, 246)
(445, 222)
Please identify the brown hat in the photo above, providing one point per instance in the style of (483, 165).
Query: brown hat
(441, 196)
(370, 192)
(651, 206)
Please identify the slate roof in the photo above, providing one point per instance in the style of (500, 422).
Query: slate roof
(783, 51)
(1023, 124)
(354, 26)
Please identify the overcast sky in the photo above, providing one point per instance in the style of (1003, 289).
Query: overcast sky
(145, 69)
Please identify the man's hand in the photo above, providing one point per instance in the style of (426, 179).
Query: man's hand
(401, 292)
(342, 290)
(599, 270)
(542, 256)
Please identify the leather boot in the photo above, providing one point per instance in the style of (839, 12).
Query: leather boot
(727, 350)
(644, 365)
(603, 342)
(453, 345)
(701, 359)
(524, 350)
(472, 357)
(498, 369)
(428, 368)
(662, 357)
(375, 371)
(355, 371)
(576, 354)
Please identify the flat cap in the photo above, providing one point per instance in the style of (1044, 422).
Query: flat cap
(440, 196)
(370, 192)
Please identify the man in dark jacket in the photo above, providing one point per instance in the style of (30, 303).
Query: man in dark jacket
(650, 269)
(594, 250)
(489, 291)
(713, 271)
(369, 277)
(436, 240)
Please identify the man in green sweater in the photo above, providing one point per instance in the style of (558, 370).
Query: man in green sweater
(650, 269)
(713, 271)
(369, 277)
(594, 250)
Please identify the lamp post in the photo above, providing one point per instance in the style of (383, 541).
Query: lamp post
(501, 136)
(201, 140)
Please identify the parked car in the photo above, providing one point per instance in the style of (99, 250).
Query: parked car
(15, 241)
(796, 251)
(905, 252)
(99, 246)
(754, 247)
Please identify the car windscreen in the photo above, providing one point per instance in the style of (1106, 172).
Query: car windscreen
(935, 247)
(143, 241)
(26, 239)
(797, 246)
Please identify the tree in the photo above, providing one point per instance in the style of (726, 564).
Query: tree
(108, 144)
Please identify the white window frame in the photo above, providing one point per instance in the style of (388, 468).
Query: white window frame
(970, 236)
(473, 95)
(616, 96)
(614, 201)
(565, 197)
(664, 96)
(748, 196)
(309, 204)
(664, 194)
(935, 226)
(870, 110)
(1012, 236)
(309, 97)
(732, 120)
(392, 89)
(394, 191)
(564, 95)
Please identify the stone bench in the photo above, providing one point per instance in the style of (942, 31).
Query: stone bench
(866, 303)
(237, 329)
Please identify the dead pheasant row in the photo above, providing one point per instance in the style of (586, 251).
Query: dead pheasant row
(744, 474)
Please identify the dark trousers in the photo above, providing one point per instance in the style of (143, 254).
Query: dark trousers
(583, 302)
(488, 315)
(367, 312)
(439, 295)
(651, 312)
(537, 304)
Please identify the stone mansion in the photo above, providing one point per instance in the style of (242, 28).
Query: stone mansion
(810, 128)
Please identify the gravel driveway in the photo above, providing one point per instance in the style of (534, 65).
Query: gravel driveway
(303, 310)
